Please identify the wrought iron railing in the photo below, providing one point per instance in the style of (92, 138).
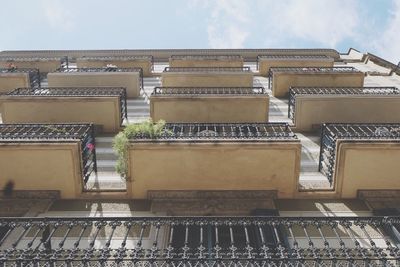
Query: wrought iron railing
(106, 69)
(208, 91)
(209, 57)
(77, 92)
(221, 132)
(295, 91)
(200, 241)
(294, 57)
(63, 60)
(34, 74)
(57, 133)
(207, 69)
(304, 70)
(365, 132)
(120, 57)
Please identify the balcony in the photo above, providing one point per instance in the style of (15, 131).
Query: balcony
(11, 78)
(47, 157)
(265, 62)
(143, 62)
(209, 104)
(357, 157)
(130, 78)
(201, 241)
(194, 156)
(44, 64)
(310, 107)
(207, 77)
(206, 61)
(105, 107)
(281, 79)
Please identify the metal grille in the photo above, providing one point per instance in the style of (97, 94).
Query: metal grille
(208, 91)
(57, 133)
(34, 58)
(34, 74)
(208, 57)
(332, 132)
(77, 92)
(207, 69)
(238, 132)
(295, 91)
(200, 241)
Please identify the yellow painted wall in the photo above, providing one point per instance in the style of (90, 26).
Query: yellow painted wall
(10, 81)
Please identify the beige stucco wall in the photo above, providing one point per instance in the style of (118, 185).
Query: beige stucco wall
(191, 62)
(129, 80)
(43, 65)
(214, 166)
(283, 80)
(42, 167)
(146, 65)
(227, 109)
(367, 166)
(102, 111)
(316, 109)
(264, 64)
(211, 79)
(10, 81)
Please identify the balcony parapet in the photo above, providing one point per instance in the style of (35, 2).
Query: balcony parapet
(43, 63)
(360, 156)
(207, 69)
(282, 78)
(309, 107)
(11, 78)
(176, 91)
(68, 148)
(129, 78)
(103, 106)
(199, 241)
(206, 61)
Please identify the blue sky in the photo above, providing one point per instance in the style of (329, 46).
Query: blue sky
(368, 25)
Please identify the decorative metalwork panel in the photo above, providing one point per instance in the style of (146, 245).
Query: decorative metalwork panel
(200, 241)
(295, 91)
(209, 57)
(57, 133)
(332, 132)
(207, 69)
(208, 91)
(222, 132)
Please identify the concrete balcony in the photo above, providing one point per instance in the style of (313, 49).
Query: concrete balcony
(131, 79)
(264, 63)
(207, 77)
(104, 107)
(281, 79)
(236, 157)
(143, 62)
(44, 64)
(359, 157)
(207, 104)
(206, 61)
(11, 78)
(47, 158)
(310, 107)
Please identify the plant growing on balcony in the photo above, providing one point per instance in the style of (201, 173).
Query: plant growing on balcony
(147, 129)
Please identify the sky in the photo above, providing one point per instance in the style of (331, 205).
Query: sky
(367, 25)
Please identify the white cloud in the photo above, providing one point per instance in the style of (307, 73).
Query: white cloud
(388, 43)
(57, 15)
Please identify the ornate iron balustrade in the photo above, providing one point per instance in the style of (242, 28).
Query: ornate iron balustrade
(34, 74)
(332, 132)
(120, 92)
(207, 69)
(57, 133)
(295, 91)
(208, 91)
(200, 241)
(293, 57)
(222, 132)
(310, 70)
(206, 57)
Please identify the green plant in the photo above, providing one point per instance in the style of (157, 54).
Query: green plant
(147, 129)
